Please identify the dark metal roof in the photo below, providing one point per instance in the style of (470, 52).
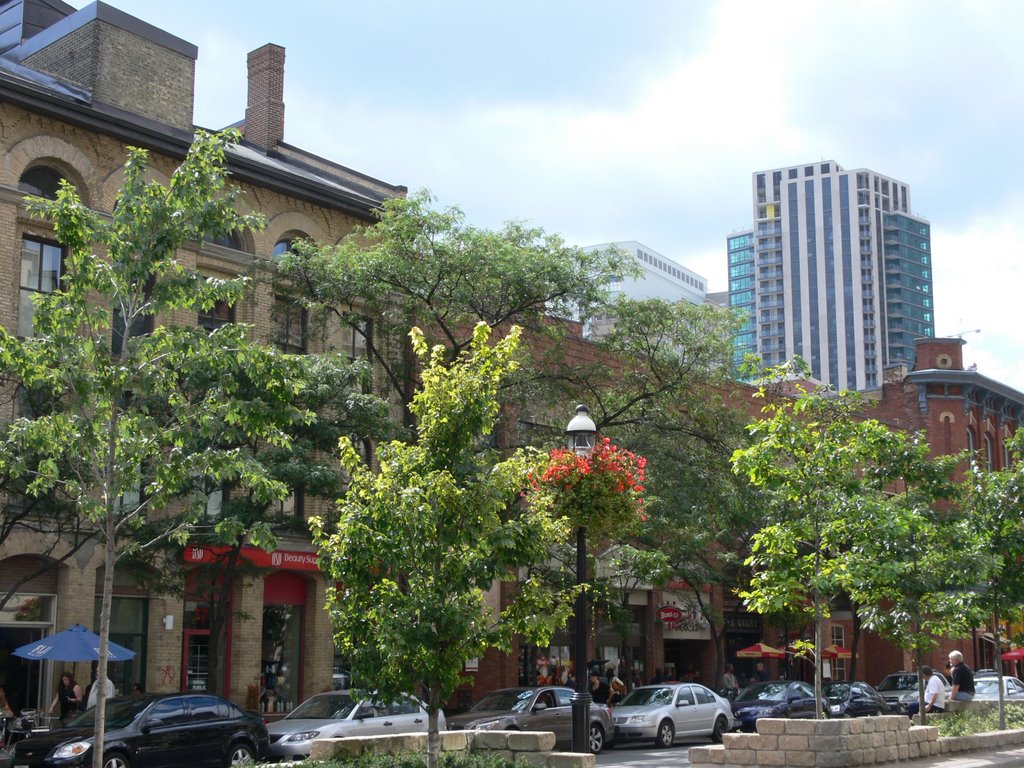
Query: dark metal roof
(45, 95)
(973, 388)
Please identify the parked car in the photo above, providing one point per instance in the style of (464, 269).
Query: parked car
(663, 713)
(545, 708)
(775, 698)
(853, 699)
(986, 688)
(900, 688)
(194, 729)
(338, 713)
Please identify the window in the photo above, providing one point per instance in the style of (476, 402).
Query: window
(215, 503)
(291, 326)
(839, 640)
(220, 314)
(230, 240)
(142, 324)
(168, 712)
(206, 708)
(990, 454)
(41, 181)
(685, 696)
(41, 267)
(291, 507)
(281, 247)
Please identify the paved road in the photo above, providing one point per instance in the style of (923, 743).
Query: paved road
(647, 756)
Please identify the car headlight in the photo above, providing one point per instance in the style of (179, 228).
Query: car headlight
(304, 736)
(72, 749)
(489, 725)
(760, 711)
(637, 720)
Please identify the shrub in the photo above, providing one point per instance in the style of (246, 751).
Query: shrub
(976, 720)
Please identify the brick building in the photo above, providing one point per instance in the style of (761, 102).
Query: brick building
(76, 88)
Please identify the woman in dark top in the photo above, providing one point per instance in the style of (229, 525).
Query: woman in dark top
(69, 695)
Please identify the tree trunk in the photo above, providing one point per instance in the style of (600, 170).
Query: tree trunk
(219, 602)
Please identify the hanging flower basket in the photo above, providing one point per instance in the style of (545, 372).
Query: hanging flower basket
(601, 491)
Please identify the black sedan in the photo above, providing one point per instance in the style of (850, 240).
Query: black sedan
(153, 731)
(853, 700)
(777, 698)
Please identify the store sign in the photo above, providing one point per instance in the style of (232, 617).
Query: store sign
(279, 558)
(670, 614)
(684, 620)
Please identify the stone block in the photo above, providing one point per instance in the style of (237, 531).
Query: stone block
(533, 759)
(763, 741)
(830, 743)
(329, 749)
(771, 726)
(454, 741)
(771, 758)
(893, 722)
(800, 727)
(903, 752)
(842, 759)
(489, 739)
(701, 755)
(889, 754)
(741, 756)
(739, 740)
(791, 742)
(399, 744)
(878, 740)
(831, 727)
(571, 760)
(531, 741)
(868, 725)
(857, 726)
(799, 757)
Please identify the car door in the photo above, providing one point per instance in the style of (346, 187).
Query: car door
(405, 716)
(563, 715)
(706, 710)
(208, 729)
(163, 739)
(800, 697)
(546, 715)
(685, 713)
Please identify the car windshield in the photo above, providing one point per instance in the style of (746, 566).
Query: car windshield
(120, 713)
(837, 691)
(509, 700)
(644, 696)
(899, 683)
(986, 686)
(763, 692)
(329, 706)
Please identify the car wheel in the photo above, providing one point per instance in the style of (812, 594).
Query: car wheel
(666, 734)
(596, 738)
(719, 729)
(240, 753)
(115, 760)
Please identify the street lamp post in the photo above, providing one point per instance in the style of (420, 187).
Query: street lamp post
(581, 433)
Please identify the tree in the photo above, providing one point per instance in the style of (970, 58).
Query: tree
(115, 441)
(823, 468)
(993, 503)
(419, 543)
(422, 265)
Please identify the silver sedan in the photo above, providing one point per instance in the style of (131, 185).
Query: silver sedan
(662, 713)
(337, 714)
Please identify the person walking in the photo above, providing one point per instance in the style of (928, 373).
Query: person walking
(69, 696)
(730, 685)
(963, 678)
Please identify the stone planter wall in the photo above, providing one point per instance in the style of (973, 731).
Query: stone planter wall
(841, 743)
(527, 748)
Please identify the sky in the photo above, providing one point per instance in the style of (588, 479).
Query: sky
(612, 121)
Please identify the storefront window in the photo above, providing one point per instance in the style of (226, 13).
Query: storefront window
(282, 652)
(128, 617)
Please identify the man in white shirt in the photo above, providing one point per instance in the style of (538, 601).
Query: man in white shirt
(934, 694)
(109, 688)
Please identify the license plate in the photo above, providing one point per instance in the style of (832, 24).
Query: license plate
(835, 708)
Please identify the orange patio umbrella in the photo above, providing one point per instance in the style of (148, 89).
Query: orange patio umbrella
(760, 651)
(836, 652)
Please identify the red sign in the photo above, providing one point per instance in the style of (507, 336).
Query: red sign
(279, 558)
(670, 614)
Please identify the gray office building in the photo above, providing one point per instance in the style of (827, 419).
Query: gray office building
(836, 268)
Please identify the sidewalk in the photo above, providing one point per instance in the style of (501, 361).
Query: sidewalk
(1007, 756)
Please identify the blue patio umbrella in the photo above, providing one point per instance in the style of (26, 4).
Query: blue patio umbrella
(76, 643)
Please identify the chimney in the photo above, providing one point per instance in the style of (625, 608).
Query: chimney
(264, 113)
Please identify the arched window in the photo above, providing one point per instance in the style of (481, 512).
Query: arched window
(282, 246)
(41, 181)
(990, 453)
(971, 445)
(231, 240)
